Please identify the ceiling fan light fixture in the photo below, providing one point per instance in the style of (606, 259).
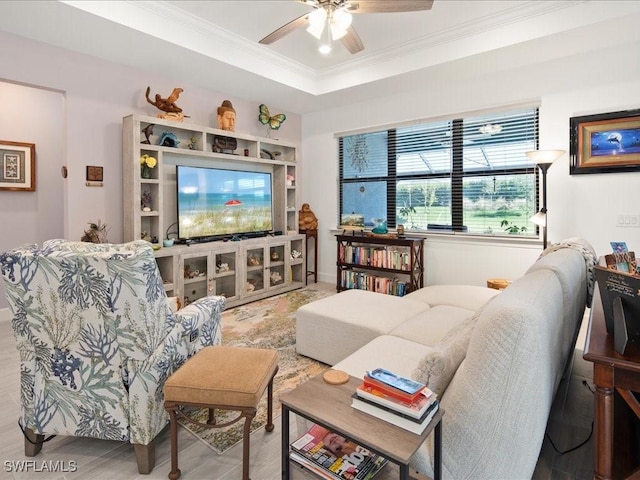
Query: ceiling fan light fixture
(341, 18)
(490, 129)
(317, 21)
(325, 48)
(339, 22)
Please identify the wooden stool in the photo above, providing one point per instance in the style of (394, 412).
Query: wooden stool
(226, 378)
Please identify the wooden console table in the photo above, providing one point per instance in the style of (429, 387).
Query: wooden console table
(616, 409)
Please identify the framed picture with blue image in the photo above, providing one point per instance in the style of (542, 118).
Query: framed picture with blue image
(605, 143)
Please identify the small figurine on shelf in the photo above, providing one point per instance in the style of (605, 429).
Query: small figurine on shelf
(307, 219)
(290, 180)
(275, 277)
(148, 131)
(223, 267)
(295, 254)
(192, 143)
(249, 287)
(167, 105)
(145, 200)
(169, 139)
(226, 116)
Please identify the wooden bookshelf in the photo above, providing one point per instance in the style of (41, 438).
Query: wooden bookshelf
(394, 266)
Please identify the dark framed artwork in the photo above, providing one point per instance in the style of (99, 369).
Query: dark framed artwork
(94, 173)
(17, 166)
(605, 143)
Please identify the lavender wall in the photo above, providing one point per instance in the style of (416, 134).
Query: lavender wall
(74, 115)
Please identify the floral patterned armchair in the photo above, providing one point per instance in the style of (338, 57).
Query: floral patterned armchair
(97, 340)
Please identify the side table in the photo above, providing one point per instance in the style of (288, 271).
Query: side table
(330, 406)
(311, 234)
(616, 424)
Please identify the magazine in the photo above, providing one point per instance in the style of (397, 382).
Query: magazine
(339, 457)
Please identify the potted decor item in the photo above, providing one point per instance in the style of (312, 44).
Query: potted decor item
(147, 163)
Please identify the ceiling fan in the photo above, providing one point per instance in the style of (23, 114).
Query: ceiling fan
(331, 20)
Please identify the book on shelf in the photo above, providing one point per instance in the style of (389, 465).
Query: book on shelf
(415, 409)
(337, 457)
(414, 425)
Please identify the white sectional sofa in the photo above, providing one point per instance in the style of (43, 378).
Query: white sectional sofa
(515, 346)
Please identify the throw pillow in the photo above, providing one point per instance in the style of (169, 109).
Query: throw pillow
(437, 368)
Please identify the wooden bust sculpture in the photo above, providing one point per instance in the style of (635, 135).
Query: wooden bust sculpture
(307, 219)
(226, 116)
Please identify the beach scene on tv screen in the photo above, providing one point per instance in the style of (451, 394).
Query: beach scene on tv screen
(215, 202)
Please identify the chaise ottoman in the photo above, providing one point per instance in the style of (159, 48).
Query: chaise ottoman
(334, 327)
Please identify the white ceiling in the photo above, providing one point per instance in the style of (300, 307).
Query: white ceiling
(214, 44)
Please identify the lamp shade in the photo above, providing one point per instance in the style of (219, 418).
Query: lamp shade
(317, 21)
(544, 156)
(339, 23)
(539, 219)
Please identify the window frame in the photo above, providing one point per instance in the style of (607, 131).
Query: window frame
(456, 174)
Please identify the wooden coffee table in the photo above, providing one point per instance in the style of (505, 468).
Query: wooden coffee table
(330, 406)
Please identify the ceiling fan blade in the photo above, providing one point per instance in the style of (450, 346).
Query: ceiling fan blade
(352, 41)
(301, 21)
(389, 6)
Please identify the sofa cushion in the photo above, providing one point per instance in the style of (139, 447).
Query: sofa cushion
(471, 297)
(396, 354)
(332, 328)
(437, 368)
(430, 326)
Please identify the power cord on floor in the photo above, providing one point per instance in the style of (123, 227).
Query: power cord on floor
(584, 382)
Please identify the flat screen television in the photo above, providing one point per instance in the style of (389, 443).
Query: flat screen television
(215, 203)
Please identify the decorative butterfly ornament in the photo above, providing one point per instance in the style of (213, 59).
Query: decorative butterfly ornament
(274, 122)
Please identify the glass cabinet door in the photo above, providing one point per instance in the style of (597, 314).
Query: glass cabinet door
(225, 276)
(254, 281)
(277, 257)
(195, 276)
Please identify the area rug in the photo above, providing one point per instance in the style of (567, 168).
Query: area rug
(268, 323)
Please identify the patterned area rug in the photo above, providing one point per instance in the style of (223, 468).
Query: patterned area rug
(268, 323)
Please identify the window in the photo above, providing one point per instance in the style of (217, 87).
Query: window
(466, 174)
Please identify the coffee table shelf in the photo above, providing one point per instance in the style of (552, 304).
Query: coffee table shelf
(330, 406)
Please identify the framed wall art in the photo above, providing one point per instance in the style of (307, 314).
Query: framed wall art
(605, 143)
(17, 166)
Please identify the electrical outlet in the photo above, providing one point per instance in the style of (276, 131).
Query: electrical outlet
(627, 220)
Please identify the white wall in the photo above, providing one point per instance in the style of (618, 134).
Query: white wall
(75, 118)
(584, 205)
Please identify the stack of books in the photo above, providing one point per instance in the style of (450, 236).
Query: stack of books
(395, 399)
(332, 457)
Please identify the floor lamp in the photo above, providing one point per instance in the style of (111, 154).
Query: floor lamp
(543, 159)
